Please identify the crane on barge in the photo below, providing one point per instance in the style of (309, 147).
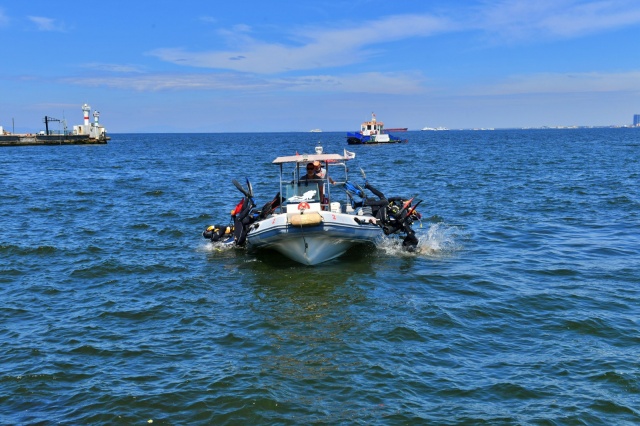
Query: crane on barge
(48, 120)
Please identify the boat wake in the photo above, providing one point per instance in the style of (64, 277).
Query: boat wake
(439, 240)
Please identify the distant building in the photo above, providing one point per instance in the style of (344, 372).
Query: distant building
(636, 120)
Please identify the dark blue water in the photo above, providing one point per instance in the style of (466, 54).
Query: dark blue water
(522, 305)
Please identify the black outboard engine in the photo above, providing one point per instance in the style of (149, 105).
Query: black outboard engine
(269, 207)
(394, 215)
(217, 232)
(242, 216)
(242, 220)
(400, 219)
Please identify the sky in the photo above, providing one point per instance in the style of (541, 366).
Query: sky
(280, 66)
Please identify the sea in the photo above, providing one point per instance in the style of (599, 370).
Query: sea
(521, 305)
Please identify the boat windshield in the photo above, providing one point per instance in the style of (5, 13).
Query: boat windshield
(303, 191)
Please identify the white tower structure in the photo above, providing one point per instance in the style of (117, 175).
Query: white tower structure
(92, 130)
(86, 109)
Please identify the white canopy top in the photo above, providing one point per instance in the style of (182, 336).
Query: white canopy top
(309, 158)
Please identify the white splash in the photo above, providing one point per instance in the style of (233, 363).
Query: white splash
(215, 247)
(438, 240)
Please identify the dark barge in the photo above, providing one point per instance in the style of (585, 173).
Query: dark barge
(27, 140)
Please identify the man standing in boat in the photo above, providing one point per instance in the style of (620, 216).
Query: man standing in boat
(312, 177)
(311, 173)
(321, 172)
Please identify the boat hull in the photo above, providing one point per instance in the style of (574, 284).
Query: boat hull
(311, 242)
(358, 139)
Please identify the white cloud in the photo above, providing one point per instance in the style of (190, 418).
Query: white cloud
(208, 19)
(562, 83)
(160, 82)
(372, 82)
(517, 20)
(311, 49)
(508, 21)
(46, 24)
(4, 19)
(378, 83)
(115, 68)
(396, 83)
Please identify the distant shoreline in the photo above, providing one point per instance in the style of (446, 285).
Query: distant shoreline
(410, 130)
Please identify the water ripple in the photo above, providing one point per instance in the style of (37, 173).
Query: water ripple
(520, 306)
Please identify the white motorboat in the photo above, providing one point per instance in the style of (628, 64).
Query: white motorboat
(315, 221)
(318, 219)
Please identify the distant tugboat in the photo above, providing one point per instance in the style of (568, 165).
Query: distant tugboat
(87, 133)
(372, 132)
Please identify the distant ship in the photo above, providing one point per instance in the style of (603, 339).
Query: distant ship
(315, 131)
(372, 132)
(434, 128)
(398, 129)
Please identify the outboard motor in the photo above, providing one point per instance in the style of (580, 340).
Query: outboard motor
(269, 207)
(242, 216)
(242, 220)
(394, 215)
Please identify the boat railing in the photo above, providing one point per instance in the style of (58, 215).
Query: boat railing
(327, 190)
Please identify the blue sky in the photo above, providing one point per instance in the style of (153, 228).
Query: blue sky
(250, 66)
